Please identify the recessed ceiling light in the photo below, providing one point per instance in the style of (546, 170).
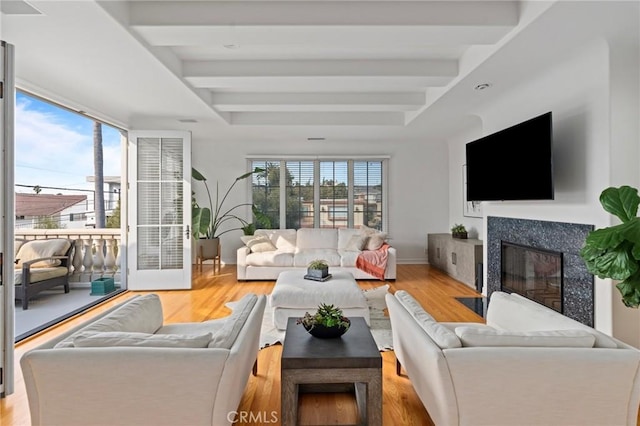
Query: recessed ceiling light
(231, 46)
(482, 86)
(187, 120)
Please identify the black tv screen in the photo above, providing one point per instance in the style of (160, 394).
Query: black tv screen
(513, 164)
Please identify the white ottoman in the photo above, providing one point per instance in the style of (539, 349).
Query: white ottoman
(292, 296)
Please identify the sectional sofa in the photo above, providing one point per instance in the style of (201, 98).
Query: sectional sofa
(271, 251)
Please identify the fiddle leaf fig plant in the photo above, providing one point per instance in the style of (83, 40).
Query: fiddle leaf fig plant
(614, 252)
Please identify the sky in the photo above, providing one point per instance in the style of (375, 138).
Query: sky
(54, 147)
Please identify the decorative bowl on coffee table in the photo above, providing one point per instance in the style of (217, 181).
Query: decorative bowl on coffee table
(324, 332)
(327, 322)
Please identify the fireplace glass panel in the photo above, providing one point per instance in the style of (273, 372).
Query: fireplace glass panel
(533, 273)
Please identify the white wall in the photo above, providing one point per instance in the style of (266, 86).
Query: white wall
(418, 191)
(456, 180)
(578, 90)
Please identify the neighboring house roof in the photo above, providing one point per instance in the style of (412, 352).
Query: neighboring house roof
(45, 204)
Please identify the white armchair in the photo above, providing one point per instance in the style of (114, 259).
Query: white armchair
(125, 367)
(527, 365)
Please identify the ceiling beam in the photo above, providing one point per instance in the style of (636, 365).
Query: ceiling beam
(311, 83)
(386, 101)
(322, 68)
(238, 13)
(317, 119)
(344, 36)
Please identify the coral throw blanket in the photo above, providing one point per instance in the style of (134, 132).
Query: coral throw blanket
(374, 262)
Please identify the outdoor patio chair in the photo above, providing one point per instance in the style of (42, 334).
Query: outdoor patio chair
(41, 265)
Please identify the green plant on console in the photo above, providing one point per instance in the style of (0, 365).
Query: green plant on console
(458, 229)
(614, 252)
(326, 315)
(207, 221)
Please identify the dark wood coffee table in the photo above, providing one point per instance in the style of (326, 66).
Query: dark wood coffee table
(352, 359)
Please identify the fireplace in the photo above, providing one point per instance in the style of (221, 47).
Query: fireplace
(576, 285)
(533, 273)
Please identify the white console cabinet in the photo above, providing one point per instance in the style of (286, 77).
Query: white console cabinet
(459, 258)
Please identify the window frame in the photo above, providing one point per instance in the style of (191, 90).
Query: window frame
(283, 159)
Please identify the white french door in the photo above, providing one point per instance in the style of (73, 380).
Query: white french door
(7, 106)
(159, 210)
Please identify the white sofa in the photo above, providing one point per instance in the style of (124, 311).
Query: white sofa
(126, 368)
(528, 365)
(295, 249)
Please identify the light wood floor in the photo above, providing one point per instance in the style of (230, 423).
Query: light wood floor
(401, 406)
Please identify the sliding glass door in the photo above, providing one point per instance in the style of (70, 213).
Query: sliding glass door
(7, 104)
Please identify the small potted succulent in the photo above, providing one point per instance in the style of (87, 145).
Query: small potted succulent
(459, 231)
(327, 322)
(318, 269)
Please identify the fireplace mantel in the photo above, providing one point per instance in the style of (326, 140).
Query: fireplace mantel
(567, 238)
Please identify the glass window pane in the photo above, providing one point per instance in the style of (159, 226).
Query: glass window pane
(333, 194)
(266, 190)
(148, 248)
(148, 207)
(299, 194)
(172, 202)
(148, 159)
(171, 247)
(367, 194)
(171, 164)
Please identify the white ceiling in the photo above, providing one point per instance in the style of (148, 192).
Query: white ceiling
(352, 70)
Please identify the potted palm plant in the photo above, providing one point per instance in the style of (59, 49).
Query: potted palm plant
(208, 222)
(614, 252)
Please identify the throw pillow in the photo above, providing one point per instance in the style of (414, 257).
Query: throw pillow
(140, 314)
(258, 243)
(375, 241)
(118, 338)
(375, 237)
(37, 249)
(356, 243)
(365, 230)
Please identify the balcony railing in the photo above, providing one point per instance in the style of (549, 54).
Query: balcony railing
(96, 252)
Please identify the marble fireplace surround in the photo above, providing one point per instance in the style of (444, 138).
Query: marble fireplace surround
(568, 238)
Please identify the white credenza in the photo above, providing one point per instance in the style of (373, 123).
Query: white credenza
(459, 258)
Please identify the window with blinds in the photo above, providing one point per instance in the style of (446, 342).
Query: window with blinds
(321, 193)
(159, 200)
(367, 194)
(266, 190)
(299, 194)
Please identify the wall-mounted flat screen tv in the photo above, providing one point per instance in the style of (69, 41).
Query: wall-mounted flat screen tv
(513, 164)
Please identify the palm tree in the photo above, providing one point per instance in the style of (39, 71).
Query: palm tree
(98, 166)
